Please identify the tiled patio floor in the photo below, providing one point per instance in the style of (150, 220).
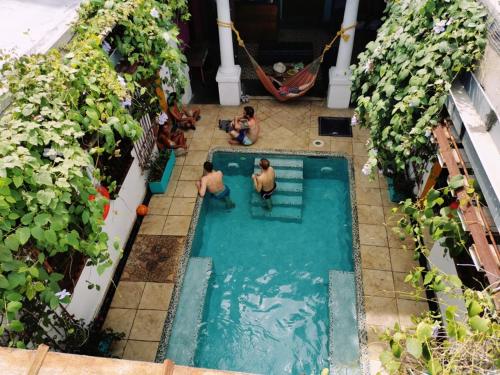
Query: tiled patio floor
(290, 126)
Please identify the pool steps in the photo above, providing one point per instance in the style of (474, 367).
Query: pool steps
(189, 313)
(344, 338)
(287, 199)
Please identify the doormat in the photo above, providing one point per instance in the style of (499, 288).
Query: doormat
(335, 126)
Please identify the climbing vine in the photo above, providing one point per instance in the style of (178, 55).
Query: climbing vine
(68, 110)
(402, 79)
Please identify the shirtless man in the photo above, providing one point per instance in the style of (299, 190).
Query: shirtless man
(212, 181)
(265, 182)
(245, 128)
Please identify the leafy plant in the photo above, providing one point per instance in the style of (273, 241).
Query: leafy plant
(461, 342)
(435, 215)
(402, 79)
(157, 166)
(68, 112)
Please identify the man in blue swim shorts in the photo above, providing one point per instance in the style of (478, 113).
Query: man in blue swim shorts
(212, 182)
(244, 130)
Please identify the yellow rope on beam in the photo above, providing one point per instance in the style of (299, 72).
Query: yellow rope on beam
(230, 25)
(340, 33)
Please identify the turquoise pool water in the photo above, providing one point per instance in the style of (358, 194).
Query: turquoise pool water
(266, 308)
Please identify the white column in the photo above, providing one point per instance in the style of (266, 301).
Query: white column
(339, 88)
(228, 75)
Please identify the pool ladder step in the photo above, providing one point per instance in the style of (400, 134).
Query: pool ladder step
(287, 200)
(282, 163)
(184, 336)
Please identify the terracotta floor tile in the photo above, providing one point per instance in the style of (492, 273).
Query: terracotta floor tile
(200, 144)
(375, 257)
(117, 348)
(191, 173)
(172, 186)
(159, 204)
(408, 308)
(182, 207)
(378, 283)
(186, 189)
(341, 145)
(152, 224)
(370, 214)
(177, 225)
(375, 344)
(148, 325)
(402, 260)
(365, 181)
(196, 158)
(368, 196)
(141, 350)
(359, 149)
(128, 294)
(381, 311)
(373, 235)
(156, 296)
(405, 290)
(120, 320)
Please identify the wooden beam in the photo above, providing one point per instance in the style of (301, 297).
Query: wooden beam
(37, 361)
(472, 221)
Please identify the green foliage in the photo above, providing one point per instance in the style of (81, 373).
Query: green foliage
(402, 79)
(66, 113)
(461, 342)
(431, 217)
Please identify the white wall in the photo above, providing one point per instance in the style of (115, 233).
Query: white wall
(85, 303)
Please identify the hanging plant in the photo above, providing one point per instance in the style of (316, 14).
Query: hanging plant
(69, 110)
(402, 79)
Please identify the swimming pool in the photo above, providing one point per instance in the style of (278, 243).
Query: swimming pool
(261, 282)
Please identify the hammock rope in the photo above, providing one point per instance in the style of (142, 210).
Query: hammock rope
(304, 78)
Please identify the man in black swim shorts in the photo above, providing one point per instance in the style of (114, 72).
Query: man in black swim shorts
(265, 182)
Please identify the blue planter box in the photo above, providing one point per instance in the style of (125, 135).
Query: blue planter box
(159, 187)
(394, 195)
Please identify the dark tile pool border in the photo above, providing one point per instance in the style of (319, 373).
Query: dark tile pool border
(360, 306)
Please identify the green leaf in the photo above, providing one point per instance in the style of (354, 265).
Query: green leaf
(16, 279)
(424, 331)
(12, 242)
(92, 114)
(479, 324)
(18, 181)
(434, 367)
(474, 309)
(23, 235)
(42, 219)
(51, 236)
(54, 302)
(14, 306)
(13, 296)
(456, 182)
(16, 326)
(414, 347)
(43, 178)
(455, 281)
(4, 283)
(38, 233)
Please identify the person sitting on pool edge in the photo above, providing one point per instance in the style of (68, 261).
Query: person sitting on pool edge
(265, 182)
(213, 182)
(245, 128)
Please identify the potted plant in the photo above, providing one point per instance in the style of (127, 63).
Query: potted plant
(160, 170)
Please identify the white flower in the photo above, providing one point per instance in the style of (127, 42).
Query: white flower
(369, 66)
(450, 21)
(106, 47)
(166, 36)
(127, 102)
(389, 144)
(367, 168)
(354, 120)
(51, 153)
(428, 133)
(374, 151)
(62, 294)
(162, 118)
(121, 80)
(109, 4)
(154, 13)
(439, 26)
(164, 72)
